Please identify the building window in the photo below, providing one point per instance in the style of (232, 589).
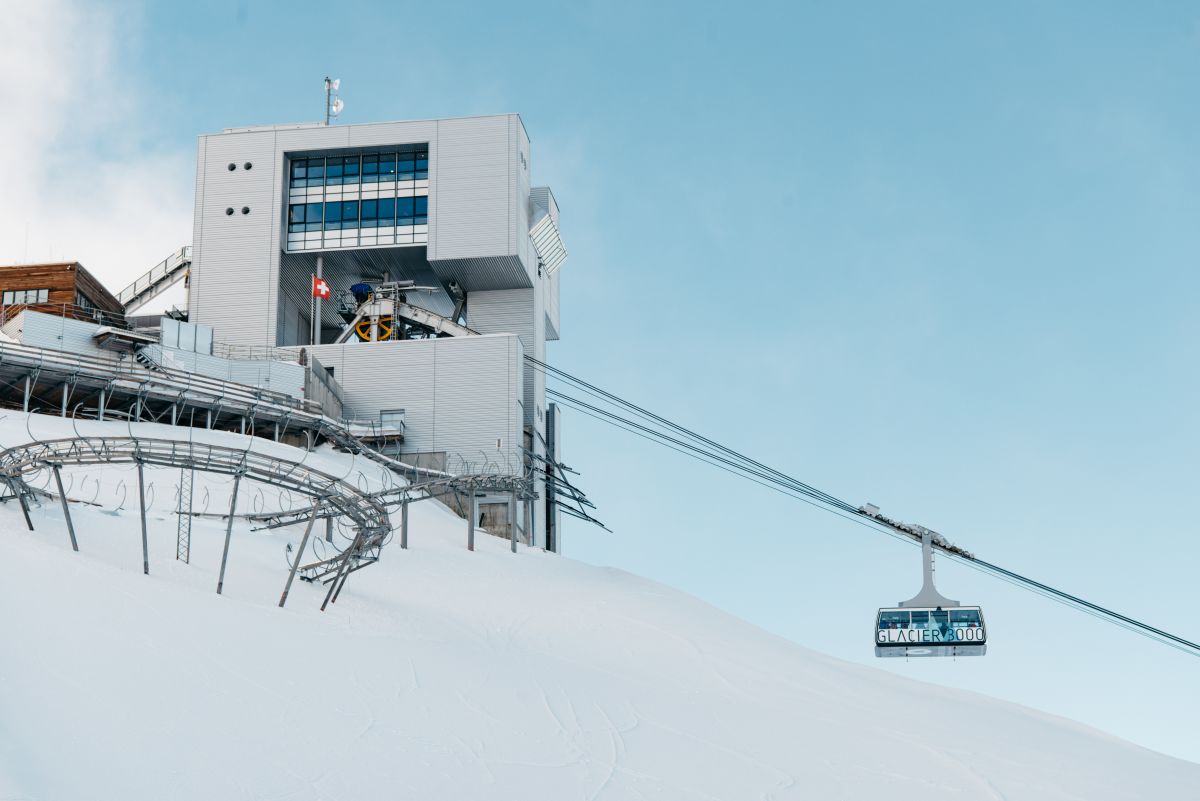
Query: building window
(305, 217)
(358, 200)
(370, 168)
(13, 297)
(392, 418)
(84, 302)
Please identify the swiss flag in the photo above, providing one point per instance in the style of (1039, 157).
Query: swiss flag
(320, 289)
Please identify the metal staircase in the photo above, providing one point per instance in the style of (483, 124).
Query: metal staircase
(160, 277)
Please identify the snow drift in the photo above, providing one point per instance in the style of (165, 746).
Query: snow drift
(446, 674)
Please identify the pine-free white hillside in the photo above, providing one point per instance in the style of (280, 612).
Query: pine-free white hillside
(444, 674)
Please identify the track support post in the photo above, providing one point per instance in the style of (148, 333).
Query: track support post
(299, 554)
(237, 480)
(142, 508)
(512, 521)
(404, 524)
(62, 496)
(472, 508)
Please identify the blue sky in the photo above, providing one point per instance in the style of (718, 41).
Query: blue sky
(938, 257)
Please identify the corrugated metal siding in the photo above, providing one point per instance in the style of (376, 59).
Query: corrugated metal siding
(459, 395)
(478, 226)
(473, 198)
(522, 166)
(515, 311)
(57, 333)
(234, 264)
(272, 375)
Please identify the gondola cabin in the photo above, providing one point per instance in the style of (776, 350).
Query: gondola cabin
(930, 631)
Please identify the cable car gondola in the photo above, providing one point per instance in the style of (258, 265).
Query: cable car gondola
(929, 624)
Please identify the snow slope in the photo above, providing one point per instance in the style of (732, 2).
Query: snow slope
(445, 674)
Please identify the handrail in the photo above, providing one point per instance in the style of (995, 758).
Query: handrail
(155, 274)
(68, 310)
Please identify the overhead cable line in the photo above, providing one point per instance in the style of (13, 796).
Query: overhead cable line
(703, 449)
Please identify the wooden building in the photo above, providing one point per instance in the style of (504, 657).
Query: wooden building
(64, 288)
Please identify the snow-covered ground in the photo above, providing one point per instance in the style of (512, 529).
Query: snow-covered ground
(446, 674)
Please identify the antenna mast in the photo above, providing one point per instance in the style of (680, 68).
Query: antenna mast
(333, 103)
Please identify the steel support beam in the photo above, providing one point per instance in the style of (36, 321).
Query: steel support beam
(472, 508)
(62, 496)
(237, 480)
(299, 554)
(404, 524)
(512, 521)
(142, 508)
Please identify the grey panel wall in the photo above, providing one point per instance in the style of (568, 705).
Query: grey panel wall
(473, 202)
(478, 221)
(271, 375)
(233, 284)
(515, 311)
(52, 332)
(461, 396)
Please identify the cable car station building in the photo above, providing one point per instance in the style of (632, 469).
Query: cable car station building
(440, 259)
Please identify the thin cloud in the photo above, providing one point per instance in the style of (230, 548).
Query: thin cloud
(78, 180)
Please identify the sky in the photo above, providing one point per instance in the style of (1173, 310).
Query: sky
(940, 257)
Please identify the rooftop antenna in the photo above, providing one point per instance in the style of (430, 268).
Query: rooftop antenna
(333, 103)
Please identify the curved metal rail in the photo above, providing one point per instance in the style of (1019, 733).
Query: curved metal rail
(332, 496)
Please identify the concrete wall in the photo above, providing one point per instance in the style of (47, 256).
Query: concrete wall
(460, 396)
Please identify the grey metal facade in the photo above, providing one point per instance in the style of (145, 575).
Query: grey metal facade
(472, 397)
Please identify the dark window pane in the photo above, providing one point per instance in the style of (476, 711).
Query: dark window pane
(350, 169)
(316, 172)
(387, 167)
(333, 216)
(405, 168)
(404, 210)
(387, 212)
(368, 213)
(350, 214)
(296, 213)
(334, 169)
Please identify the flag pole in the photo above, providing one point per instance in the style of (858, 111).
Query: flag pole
(316, 305)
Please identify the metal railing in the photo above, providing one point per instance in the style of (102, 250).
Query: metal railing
(67, 310)
(166, 269)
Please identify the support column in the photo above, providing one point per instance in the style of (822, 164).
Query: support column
(299, 554)
(474, 514)
(14, 487)
(208, 419)
(100, 411)
(66, 387)
(528, 504)
(512, 521)
(237, 480)
(315, 310)
(28, 390)
(404, 524)
(66, 511)
(142, 507)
